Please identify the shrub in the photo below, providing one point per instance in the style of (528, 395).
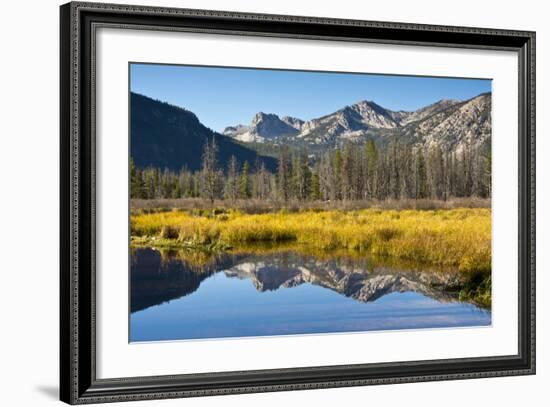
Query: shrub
(169, 232)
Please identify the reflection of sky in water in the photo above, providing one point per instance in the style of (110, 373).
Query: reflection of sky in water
(233, 307)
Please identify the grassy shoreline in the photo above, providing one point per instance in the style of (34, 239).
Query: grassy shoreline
(459, 238)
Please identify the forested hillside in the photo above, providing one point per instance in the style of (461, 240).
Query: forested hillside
(166, 136)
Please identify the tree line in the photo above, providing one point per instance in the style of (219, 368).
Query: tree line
(350, 172)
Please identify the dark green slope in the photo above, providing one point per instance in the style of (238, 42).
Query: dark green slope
(167, 136)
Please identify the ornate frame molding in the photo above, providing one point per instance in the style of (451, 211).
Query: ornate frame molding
(78, 380)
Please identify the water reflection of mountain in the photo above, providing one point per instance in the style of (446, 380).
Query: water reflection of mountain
(349, 277)
(156, 279)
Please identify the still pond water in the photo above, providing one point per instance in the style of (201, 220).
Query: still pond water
(282, 293)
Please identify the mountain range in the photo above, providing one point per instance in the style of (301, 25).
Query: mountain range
(450, 124)
(168, 136)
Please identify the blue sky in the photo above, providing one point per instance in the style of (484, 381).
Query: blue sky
(223, 97)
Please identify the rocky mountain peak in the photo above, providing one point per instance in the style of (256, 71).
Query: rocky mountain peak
(260, 116)
(264, 126)
(447, 122)
(293, 121)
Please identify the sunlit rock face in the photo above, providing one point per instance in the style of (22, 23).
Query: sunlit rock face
(450, 124)
(265, 127)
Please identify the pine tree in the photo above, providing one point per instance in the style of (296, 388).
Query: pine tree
(327, 178)
(466, 173)
(302, 176)
(315, 189)
(421, 176)
(436, 172)
(284, 173)
(394, 182)
(244, 182)
(337, 170)
(262, 181)
(346, 162)
(408, 171)
(371, 157)
(210, 173)
(231, 190)
(136, 187)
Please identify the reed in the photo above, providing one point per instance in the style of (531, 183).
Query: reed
(445, 237)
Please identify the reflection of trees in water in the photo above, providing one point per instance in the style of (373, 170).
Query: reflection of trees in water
(159, 277)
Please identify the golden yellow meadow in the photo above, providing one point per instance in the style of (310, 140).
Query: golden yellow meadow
(445, 237)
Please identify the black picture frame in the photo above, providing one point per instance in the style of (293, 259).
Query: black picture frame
(78, 382)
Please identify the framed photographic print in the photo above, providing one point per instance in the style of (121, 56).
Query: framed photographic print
(255, 203)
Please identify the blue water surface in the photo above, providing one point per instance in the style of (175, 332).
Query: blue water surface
(283, 294)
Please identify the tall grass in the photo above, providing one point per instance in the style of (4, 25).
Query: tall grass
(454, 237)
